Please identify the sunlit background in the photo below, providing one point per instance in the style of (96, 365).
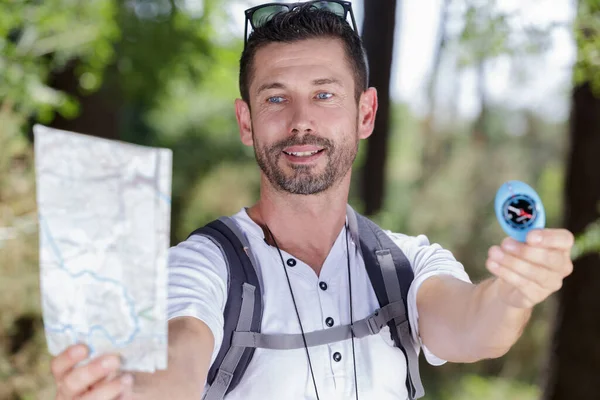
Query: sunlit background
(481, 92)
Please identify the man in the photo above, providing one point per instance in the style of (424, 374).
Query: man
(305, 105)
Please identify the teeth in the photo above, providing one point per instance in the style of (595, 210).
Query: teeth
(303, 153)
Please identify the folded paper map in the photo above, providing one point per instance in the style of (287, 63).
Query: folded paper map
(104, 220)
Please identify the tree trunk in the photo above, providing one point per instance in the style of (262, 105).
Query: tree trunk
(99, 111)
(478, 180)
(575, 351)
(479, 133)
(378, 36)
(431, 159)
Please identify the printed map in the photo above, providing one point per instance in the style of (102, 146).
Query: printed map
(104, 221)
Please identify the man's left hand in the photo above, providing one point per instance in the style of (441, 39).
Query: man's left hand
(530, 272)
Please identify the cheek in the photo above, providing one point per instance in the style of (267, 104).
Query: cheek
(334, 120)
(347, 113)
(345, 119)
(271, 123)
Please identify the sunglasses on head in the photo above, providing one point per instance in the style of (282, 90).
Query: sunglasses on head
(260, 15)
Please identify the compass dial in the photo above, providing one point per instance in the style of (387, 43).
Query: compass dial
(519, 211)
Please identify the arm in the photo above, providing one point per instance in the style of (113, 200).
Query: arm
(461, 322)
(190, 349)
(474, 324)
(197, 293)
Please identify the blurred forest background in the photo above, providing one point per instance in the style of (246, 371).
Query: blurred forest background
(164, 73)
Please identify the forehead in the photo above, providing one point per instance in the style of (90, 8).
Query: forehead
(304, 59)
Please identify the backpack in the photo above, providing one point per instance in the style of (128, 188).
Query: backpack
(390, 274)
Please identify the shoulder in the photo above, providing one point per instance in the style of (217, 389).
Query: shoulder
(427, 258)
(199, 251)
(411, 245)
(406, 241)
(196, 248)
(201, 245)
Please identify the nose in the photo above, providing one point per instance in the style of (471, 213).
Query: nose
(302, 120)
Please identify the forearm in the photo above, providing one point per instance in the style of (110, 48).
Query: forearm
(461, 322)
(492, 326)
(190, 350)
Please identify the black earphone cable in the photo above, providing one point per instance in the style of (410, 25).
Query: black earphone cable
(298, 314)
(351, 315)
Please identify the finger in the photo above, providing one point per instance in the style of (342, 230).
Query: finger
(112, 389)
(555, 260)
(545, 278)
(560, 239)
(530, 290)
(80, 379)
(127, 393)
(65, 361)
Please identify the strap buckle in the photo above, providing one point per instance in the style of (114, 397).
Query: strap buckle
(373, 323)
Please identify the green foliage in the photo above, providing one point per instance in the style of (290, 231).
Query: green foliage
(587, 242)
(485, 34)
(159, 64)
(176, 79)
(455, 209)
(474, 387)
(489, 32)
(160, 28)
(192, 112)
(181, 99)
(36, 39)
(587, 70)
(587, 36)
(24, 371)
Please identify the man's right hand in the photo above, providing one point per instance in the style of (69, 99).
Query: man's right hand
(191, 344)
(99, 379)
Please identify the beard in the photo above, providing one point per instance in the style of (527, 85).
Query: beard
(305, 179)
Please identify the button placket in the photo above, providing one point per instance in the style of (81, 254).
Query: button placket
(331, 318)
(329, 311)
(330, 282)
(339, 356)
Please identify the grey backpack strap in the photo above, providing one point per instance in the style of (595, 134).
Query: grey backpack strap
(391, 276)
(365, 327)
(243, 309)
(226, 371)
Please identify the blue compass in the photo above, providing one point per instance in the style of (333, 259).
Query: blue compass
(519, 209)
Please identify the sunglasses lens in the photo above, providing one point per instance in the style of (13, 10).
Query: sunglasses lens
(264, 14)
(330, 6)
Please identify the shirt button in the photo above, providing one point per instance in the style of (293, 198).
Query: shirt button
(323, 285)
(291, 262)
(337, 357)
(329, 322)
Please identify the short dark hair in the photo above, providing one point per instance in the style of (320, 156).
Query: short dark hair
(305, 22)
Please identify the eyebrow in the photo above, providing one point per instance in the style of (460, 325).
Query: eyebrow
(327, 81)
(316, 82)
(270, 85)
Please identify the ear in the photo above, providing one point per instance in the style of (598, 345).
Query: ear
(244, 120)
(367, 108)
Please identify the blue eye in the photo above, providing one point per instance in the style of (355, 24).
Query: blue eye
(275, 99)
(324, 96)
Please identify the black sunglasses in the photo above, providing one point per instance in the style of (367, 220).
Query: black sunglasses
(260, 15)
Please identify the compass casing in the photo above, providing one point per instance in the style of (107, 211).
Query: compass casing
(519, 209)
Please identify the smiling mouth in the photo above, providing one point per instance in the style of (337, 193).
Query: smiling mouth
(303, 153)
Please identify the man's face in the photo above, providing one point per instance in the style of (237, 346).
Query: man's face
(304, 115)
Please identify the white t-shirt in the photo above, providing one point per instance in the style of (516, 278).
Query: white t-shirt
(198, 288)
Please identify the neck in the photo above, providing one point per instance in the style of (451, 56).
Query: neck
(305, 226)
